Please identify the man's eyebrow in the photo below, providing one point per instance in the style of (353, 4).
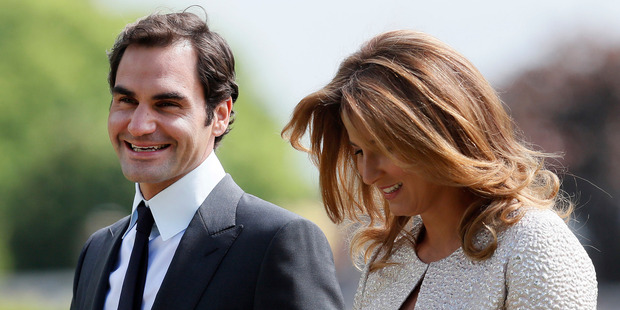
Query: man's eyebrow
(169, 95)
(122, 91)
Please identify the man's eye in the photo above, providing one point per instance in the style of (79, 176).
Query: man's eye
(127, 100)
(164, 104)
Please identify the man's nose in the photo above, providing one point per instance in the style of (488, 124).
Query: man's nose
(142, 121)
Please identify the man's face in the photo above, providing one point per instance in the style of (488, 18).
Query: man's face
(157, 116)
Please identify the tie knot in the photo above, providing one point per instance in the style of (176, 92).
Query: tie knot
(145, 219)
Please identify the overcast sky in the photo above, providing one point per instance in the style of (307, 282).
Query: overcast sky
(291, 48)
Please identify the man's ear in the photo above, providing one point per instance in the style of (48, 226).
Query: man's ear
(221, 117)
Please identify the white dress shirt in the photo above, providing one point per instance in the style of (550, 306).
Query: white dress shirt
(173, 208)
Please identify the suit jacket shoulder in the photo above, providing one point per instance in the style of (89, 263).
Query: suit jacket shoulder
(255, 255)
(238, 252)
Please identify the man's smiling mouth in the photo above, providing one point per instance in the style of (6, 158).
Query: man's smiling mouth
(153, 148)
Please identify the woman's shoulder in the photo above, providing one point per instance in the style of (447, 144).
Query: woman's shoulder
(541, 234)
(538, 227)
(544, 256)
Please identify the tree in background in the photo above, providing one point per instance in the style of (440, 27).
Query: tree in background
(57, 168)
(571, 104)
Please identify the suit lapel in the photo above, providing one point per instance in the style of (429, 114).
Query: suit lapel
(105, 262)
(203, 246)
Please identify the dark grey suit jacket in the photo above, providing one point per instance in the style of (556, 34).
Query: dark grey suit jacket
(238, 252)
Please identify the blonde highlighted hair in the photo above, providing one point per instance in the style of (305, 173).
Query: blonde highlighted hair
(431, 111)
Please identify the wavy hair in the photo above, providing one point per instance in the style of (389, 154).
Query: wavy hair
(438, 116)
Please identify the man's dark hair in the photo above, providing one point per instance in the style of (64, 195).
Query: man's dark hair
(216, 64)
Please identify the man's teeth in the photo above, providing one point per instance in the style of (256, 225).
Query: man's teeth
(146, 148)
(392, 188)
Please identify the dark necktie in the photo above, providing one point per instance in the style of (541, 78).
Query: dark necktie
(133, 285)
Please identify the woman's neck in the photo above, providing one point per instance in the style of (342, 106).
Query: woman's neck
(440, 236)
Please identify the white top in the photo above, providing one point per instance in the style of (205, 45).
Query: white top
(538, 264)
(173, 209)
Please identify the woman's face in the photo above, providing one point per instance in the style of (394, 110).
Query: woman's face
(408, 193)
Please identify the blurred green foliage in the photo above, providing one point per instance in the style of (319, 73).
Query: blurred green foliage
(56, 165)
(28, 305)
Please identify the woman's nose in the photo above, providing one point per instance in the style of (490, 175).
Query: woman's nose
(369, 168)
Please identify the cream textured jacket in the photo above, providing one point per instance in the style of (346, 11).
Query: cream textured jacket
(538, 264)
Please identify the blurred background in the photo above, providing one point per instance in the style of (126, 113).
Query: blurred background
(556, 65)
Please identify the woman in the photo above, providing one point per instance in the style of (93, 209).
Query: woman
(455, 211)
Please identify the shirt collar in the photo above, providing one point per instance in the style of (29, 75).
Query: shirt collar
(174, 207)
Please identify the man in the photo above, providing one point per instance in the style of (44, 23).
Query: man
(210, 246)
